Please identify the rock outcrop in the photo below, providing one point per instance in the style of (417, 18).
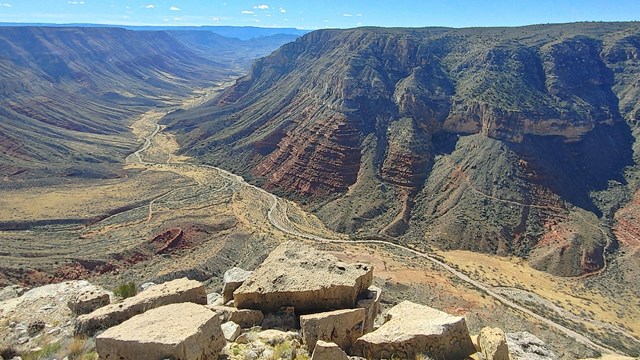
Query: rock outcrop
(176, 291)
(526, 346)
(493, 344)
(232, 279)
(342, 327)
(413, 329)
(328, 351)
(178, 331)
(88, 300)
(300, 276)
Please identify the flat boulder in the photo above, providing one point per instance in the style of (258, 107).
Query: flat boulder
(341, 327)
(176, 291)
(493, 344)
(89, 299)
(413, 329)
(232, 279)
(298, 275)
(178, 331)
(328, 351)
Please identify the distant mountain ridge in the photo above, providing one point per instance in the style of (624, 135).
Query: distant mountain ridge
(68, 94)
(503, 140)
(239, 32)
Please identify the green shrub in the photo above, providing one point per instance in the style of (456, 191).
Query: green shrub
(126, 290)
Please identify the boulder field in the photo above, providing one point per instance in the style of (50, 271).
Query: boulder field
(300, 303)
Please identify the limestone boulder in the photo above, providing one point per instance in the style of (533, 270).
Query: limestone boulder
(493, 344)
(328, 351)
(246, 318)
(178, 331)
(231, 330)
(300, 276)
(341, 327)
(176, 291)
(413, 329)
(526, 346)
(232, 279)
(369, 300)
(89, 299)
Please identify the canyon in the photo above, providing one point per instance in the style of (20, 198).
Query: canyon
(510, 141)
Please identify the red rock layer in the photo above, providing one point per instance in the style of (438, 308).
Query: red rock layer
(314, 161)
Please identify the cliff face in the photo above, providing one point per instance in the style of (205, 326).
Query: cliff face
(370, 123)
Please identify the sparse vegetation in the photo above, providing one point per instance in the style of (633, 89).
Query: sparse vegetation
(76, 347)
(126, 290)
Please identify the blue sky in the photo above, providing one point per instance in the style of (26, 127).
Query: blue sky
(310, 14)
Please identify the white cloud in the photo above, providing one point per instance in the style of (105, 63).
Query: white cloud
(177, 19)
(75, 2)
(283, 10)
(347, 15)
(174, 8)
(359, 14)
(247, 12)
(6, 5)
(261, 7)
(150, 6)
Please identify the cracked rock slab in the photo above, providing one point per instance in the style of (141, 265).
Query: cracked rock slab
(413, 329)
(298, 275)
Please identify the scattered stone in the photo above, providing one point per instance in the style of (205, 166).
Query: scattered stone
(231, 330)
(305, 278)
(179, 331)
(147, 285)
(242, 339)
(413, 329)
(11, 292)
(285, 318)
(342, 327)
(176, 291)
(328, 351)
(493, 344)
(246, 318)
(525, 346)
(274, 337)
(23, 340)
(55, 331)
(232, 279)
(369, 300)
(88, 299)
(214, 298)
(47, 308)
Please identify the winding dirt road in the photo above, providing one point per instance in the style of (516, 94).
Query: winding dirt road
(277, 216)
